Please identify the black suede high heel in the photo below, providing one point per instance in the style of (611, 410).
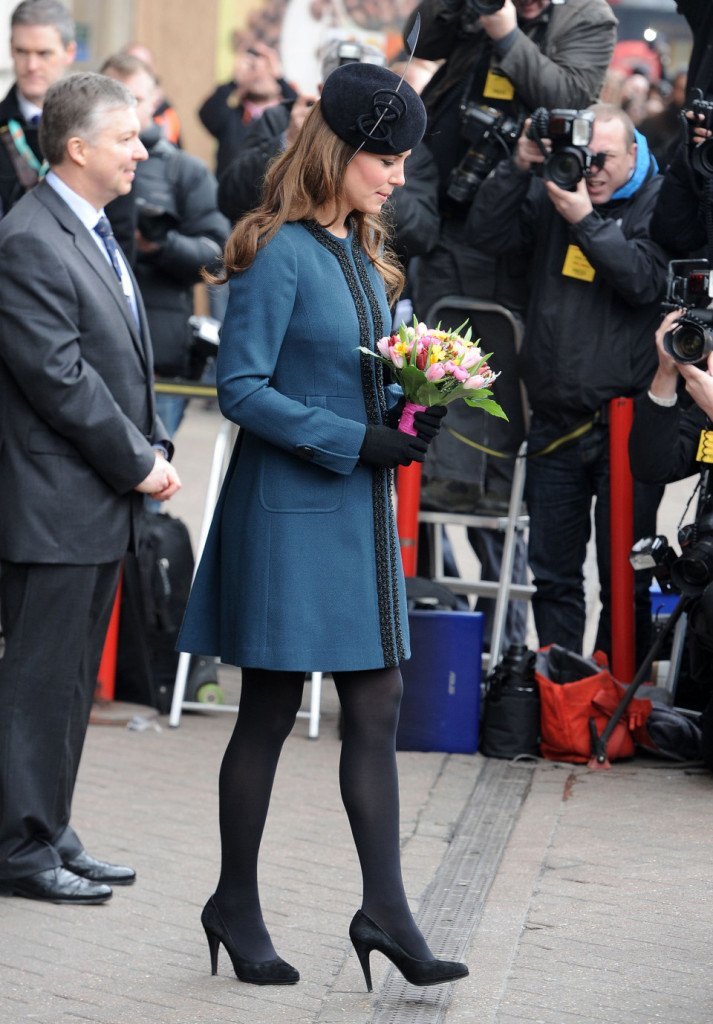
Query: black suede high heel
(268, 972)
(367, 936)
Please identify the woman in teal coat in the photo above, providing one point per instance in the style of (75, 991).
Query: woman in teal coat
(301, 569)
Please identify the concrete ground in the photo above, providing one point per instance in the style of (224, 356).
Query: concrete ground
(573, 895)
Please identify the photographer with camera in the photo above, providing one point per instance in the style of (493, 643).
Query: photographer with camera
(413, 209)
(180, 230)
(502, 59)
(665, 445)
(577, 199)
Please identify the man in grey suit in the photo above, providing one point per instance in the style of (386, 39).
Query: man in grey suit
(79, 445)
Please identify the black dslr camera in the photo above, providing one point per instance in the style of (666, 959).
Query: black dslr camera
(689, 573)
(701, 154)
(492, 135)
(570, 132)
(690, 285)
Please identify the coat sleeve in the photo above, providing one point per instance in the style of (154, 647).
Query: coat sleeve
(440, 28)
(415, 206)
(633, 265)
(663, 441)
(40, 344)
(260, 306)
(677, 221)
(503, 215)
(240, 184)
(198, 241)
(573, 74)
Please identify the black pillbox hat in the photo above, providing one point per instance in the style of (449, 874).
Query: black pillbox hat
(360, 104)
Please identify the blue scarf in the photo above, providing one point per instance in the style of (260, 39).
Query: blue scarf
(645, 164)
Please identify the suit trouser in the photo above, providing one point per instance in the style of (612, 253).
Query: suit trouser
(55, 619)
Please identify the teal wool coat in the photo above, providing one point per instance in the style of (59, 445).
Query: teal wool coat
(301, 569)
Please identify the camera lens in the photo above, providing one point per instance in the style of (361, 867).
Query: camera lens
(693, 571)
(565, 168)
(702, 158)
(688, 342)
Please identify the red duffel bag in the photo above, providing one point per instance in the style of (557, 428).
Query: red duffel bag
(573, 690)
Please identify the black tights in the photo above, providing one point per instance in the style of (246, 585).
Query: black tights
(269, 703)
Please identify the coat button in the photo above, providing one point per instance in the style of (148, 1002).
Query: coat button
(305, 452)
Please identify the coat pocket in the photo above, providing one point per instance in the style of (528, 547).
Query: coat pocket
(289, 484)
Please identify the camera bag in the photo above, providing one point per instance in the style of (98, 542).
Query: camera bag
(511, 719)
(574, 690)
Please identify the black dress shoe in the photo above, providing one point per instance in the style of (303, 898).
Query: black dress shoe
(57, 885)
(99, 871)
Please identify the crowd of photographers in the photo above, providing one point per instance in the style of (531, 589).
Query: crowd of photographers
(554, 206)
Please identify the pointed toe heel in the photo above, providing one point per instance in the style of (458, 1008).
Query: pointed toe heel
(367, 936)
(266, 972)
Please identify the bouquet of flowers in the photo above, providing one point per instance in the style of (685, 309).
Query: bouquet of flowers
(435, 367)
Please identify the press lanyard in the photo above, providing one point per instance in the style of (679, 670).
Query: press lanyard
(25, 150)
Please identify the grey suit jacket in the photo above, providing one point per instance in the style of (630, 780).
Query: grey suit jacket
(77, 416)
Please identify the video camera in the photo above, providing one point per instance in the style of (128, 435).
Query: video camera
(701, 154)
(492, 135)
(689, 285)
(570, 132)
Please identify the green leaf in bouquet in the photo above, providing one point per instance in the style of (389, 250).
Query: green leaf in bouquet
(488, 405)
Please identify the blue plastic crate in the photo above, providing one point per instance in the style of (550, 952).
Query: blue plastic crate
(441, 703)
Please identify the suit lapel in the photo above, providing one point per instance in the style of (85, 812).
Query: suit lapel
(89, 251)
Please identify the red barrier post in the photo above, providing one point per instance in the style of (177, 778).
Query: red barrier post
(408, 492)
(621, 505)
(106, 677)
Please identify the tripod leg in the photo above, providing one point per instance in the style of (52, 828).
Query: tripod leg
(599, 743)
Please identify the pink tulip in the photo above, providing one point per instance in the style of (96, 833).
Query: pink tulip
(435, 372)
(476, 381)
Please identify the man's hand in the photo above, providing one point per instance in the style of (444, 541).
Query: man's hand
(300, 109)
(573, 206)
(527, 151)
(666, 377)
(501, 23)
(162, 482)
(699, 384)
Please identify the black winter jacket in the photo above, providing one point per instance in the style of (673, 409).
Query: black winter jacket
(413, 208)
(664, 441)
(227, 121)
(585, 342)
(182, 185)
(10, 188)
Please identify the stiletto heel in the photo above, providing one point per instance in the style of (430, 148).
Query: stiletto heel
(213, 947)
(367, 936)
(362, 951)
(267, 972)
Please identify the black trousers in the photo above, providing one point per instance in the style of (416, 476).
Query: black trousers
(55, 619)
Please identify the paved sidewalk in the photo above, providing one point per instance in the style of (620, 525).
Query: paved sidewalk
(574, 896)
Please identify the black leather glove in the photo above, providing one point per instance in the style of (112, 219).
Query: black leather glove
(428, 422)
(384, 446)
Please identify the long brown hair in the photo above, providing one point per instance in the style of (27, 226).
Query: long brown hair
(305, 177)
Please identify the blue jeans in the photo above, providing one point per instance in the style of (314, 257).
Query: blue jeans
(559, 490)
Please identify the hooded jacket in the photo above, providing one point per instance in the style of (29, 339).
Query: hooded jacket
(586, 341)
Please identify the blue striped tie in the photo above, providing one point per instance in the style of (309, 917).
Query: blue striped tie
(103, 229)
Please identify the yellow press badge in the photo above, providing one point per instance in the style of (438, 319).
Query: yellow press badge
(705, 447)
(577, 265)
(498, 86)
